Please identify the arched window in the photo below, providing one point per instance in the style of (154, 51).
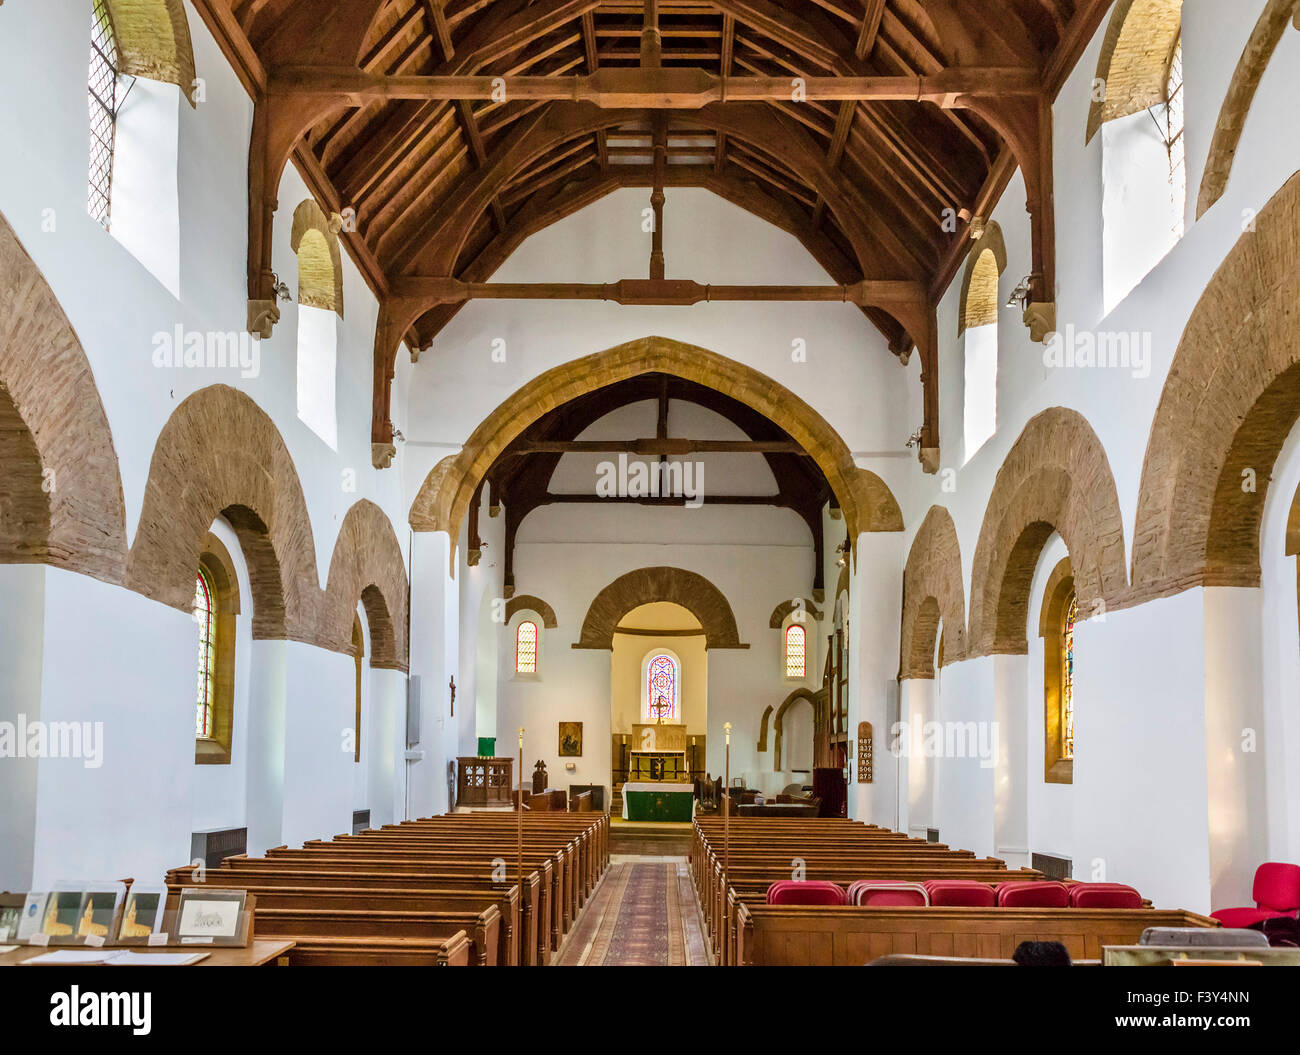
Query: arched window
(216, 603)
(359, 651)
(796, 651)
(320, 306)
(102, 99)
(205, 618)
(979, 329)
(526, 647)
(662, 688)
(1056, 626)
(1138, 106)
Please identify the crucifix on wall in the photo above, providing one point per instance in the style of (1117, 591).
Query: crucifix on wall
(452, 685)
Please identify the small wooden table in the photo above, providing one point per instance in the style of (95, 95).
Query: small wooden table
(261, 952)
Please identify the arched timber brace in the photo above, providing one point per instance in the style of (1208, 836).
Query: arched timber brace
(445, 135)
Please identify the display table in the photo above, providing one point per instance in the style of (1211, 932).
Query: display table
(658, 801)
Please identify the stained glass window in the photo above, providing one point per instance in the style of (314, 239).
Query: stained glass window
(526, 648)
(1067, 680)
(102, 100)
(661, 677)
(204, 617)
(796, 651)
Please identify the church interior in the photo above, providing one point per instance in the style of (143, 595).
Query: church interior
(650, 482)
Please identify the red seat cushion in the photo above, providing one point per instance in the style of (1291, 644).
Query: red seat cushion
(960, 893)
(1038, 893)
(1248, 917)
(1277, 886)
(1104, 895)
(867, 892)
(807, 892)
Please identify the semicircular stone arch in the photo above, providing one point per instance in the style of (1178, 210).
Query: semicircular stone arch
(61, 503)
(979, 286)
(526, 602)
(933, 594)
(445, 495)
(367, 568)
(153, 41)
(1217, 432)
(320, 264)
(1135, 57)
(1056, 478)
(1255, 58)
(688, 589)
(196, 476)
(805, 604)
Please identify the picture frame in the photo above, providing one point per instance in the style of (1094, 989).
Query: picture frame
(570, 739)
(97, 920)
(31, 916)
(60, 916)
(144, 911)
(11, 914)
(212, 917)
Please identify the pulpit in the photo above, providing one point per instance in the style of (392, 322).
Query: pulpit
(484, 782)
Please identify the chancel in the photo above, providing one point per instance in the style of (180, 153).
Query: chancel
(650, 482)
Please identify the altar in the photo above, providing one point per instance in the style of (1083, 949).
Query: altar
(658, 800)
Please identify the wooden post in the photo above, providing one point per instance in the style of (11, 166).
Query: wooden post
(519, 810)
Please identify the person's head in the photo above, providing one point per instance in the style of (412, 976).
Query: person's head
(1041, 954)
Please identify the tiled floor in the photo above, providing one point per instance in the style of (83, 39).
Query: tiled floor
(643, 914)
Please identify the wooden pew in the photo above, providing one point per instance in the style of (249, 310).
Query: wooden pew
(380, 928)
(795, 935)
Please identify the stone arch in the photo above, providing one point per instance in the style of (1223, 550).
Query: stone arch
(1055, 478)
(1135, 57)
(61, 493)
(979, 287)
(367, 568)
(1241, 94)
(314, 238)
(153, 41)
(528, 603)
(692, 591)
(1217, 428)
(933, 593)
(777, 618)
(447, 491)
(197, 475)
(763, 725)
(779, 718)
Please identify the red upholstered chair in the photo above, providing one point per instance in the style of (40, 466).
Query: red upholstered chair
(805, 892)
(1276, 893)
(1104, 895)
(872, 894)
(1038, 893)
(960, 893)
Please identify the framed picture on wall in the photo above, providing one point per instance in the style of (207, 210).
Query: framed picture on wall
(570, 739)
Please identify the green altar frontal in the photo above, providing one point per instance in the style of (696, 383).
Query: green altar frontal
(658, 802)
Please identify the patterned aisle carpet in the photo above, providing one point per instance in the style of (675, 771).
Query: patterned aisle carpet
(644, 914)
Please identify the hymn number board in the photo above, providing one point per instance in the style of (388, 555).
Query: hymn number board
(865, 758)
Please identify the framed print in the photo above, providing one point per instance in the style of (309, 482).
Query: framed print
(212, 917)
(11, 912)
(31, 915)
(570, 739)
(96, 915)
(61, 916)
(142, 915)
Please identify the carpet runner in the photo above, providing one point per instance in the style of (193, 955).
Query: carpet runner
(643, 914)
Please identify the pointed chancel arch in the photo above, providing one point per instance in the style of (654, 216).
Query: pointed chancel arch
(688, 589)
(1135, 56)
(1056, 478)
(1254, 60)
(198, 474)
(314, 238)
(367, 568)
(153, 41)
(1219, 428)
(447, 491)
(933, 593)
(61, 494)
